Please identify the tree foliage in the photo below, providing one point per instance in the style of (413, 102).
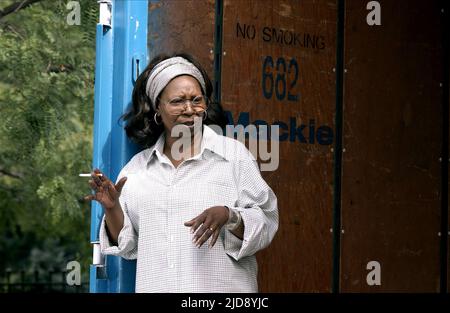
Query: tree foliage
(46, 109)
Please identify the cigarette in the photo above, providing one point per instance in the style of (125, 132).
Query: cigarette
(89, 175)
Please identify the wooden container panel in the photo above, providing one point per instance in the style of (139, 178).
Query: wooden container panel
(392, 140)
(301, 37)
(182, 26)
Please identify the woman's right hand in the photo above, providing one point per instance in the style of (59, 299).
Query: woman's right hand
(106, 192)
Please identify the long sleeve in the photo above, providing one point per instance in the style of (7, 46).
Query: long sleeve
(128, 238)
(258, 207)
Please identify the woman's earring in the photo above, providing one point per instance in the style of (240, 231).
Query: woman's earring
(205, 115)
(156, 121)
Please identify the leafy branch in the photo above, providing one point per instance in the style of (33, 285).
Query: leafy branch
(19, 5)
(10, 174)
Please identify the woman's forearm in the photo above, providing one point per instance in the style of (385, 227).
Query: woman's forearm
(239, 232)
(114, 222)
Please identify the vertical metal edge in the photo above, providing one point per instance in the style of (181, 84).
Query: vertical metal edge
(102, 110)
(445, 153)
(102, 126)
(115, 51)
(338, 147)
(218, 38)
(130, 28)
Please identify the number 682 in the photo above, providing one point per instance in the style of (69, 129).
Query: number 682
(286, 75)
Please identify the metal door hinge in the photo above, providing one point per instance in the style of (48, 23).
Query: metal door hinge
(97, 256)
(105, 12)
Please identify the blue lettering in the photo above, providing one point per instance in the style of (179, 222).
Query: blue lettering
(261, 133)
(296, 132)
(283, 126)
(243, 118)
(324, 134)
(312, 127)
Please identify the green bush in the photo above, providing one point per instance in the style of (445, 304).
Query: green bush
(46, 109)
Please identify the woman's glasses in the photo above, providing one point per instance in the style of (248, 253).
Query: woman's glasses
(178, 105)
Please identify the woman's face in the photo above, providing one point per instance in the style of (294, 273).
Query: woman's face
(173, 107)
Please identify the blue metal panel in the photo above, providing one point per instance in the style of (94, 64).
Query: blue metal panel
(102, 129)
(118, 51)
(102, 115)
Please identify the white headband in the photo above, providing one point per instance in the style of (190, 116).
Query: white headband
(167, 70)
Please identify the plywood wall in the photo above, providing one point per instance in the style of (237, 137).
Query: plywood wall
(278, 64)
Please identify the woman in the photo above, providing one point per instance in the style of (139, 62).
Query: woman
(188, 186)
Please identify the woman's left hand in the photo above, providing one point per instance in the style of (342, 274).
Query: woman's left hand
(208, 224)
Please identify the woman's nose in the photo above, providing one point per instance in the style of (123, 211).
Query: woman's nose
(189, 110)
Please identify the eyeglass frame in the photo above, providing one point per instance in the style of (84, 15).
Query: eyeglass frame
(184, 103)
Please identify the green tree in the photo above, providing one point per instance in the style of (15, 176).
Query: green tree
(46, 110)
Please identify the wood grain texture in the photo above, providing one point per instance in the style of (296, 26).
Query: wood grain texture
(300, 257)
(182, 26)
(392, 140)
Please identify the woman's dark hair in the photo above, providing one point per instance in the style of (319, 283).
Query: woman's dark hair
(140, 125)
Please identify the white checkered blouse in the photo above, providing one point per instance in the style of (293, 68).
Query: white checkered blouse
(158, 198)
